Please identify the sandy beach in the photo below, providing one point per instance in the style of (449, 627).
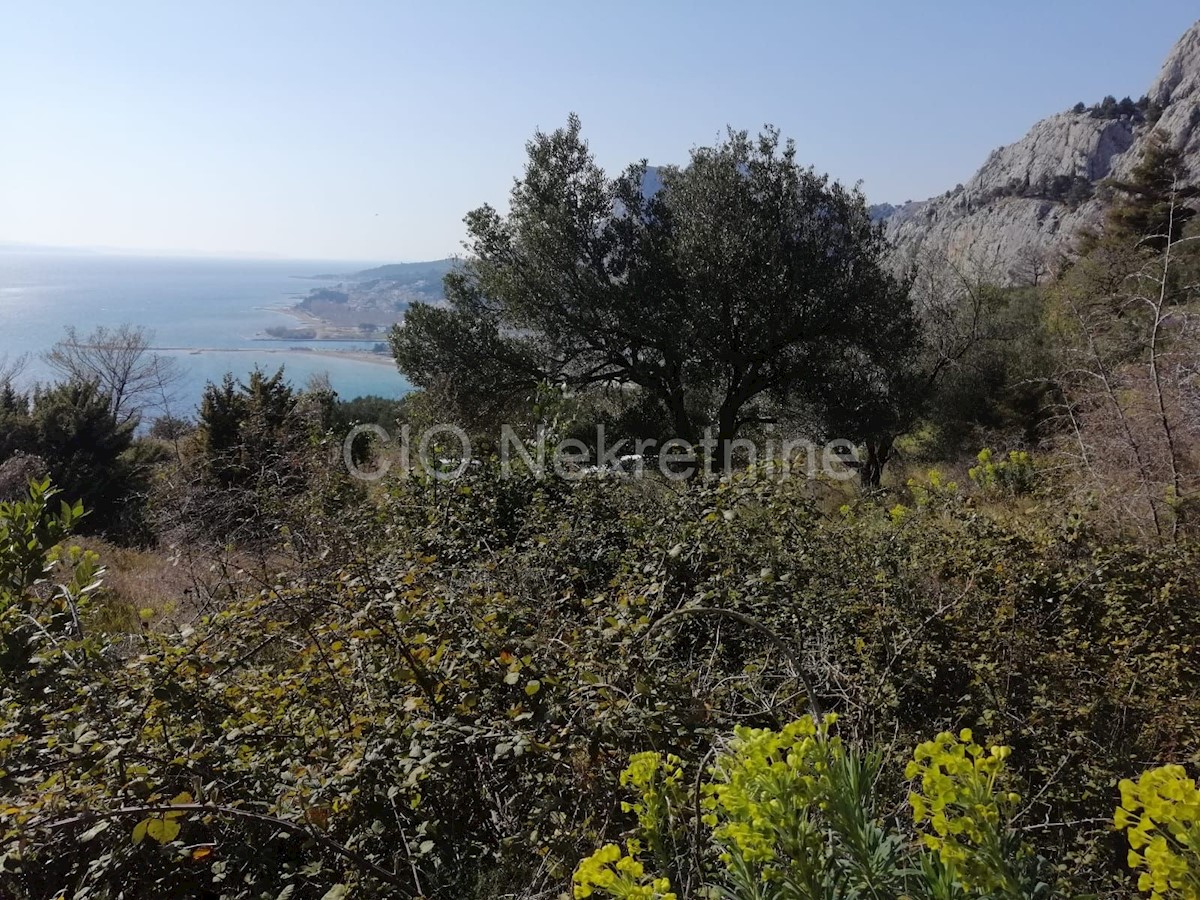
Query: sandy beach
(378, 359)
(323, 330)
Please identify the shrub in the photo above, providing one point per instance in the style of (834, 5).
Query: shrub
(262, 463)
(1012, 476)
(435, 694)
(796, 813)
(90, 455)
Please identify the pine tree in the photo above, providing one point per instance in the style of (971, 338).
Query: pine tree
(222, 410)
(89, 455)
(1151, 206)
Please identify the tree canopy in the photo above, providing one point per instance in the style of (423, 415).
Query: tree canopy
(70, 428)
(744, 285)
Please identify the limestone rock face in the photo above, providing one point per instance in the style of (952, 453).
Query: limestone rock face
(1071, 144)
(1038, 193)
(991, 237)
(1177, 91)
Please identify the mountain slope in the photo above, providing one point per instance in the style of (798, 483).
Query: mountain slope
(1035, 195)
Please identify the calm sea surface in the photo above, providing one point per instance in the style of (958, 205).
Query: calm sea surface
(210, 310)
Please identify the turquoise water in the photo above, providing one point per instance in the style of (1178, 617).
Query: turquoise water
(212, 310)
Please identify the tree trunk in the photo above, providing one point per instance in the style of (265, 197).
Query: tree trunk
(871, 472)
(726, 432)
(683, 422)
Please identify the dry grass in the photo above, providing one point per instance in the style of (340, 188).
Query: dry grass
(164, 590)
(139, 587)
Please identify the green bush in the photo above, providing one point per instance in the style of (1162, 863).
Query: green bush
(91, 457)
(1013, 475)
(437, 694)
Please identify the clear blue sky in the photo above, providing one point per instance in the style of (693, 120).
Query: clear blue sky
(365, 130)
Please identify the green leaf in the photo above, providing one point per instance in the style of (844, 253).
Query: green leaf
(163, 830)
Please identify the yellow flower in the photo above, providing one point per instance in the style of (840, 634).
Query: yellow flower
(1168, 830)
(959, 803)
(617, 875)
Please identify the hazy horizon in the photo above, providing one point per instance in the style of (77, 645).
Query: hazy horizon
(167, 253)
(298, 132)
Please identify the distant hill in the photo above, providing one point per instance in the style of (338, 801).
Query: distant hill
(373, 299)
(880, 212)
(408, 273)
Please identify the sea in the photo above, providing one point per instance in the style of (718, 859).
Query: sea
(209, 314)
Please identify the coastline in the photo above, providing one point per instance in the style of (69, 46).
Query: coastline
(323, 332)
(208, 316)
(364, 356)
(322, 329)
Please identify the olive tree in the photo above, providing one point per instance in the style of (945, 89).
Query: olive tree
(741, 285)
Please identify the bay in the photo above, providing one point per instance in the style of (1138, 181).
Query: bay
(209, 314)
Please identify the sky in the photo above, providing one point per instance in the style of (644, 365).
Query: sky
(367, 130)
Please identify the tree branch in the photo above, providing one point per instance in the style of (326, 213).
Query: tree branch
(329, 843)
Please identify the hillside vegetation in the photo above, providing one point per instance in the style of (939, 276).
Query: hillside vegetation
(971, 670)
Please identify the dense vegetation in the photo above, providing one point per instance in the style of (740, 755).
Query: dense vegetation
(68, 431)
(450, 688)
(1073, 190)
(293, 684)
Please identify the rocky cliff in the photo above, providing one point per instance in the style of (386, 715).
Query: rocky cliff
(1031, 198)
(1177, 91)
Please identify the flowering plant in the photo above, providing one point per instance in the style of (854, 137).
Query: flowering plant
(795, 813)
(1160, 813)
(965, 816)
